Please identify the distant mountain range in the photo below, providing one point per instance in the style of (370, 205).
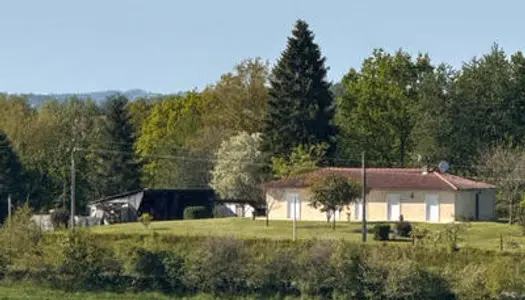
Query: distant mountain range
(38, 99)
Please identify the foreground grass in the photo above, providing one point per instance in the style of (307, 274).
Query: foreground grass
(26, 291)
(483, 235)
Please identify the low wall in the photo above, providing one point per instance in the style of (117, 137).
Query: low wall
(44, 221)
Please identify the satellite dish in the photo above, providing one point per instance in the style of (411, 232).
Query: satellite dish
(443, 166)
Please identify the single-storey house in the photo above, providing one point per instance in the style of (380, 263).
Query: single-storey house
(419, 195)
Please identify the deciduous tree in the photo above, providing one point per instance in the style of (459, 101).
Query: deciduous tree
(376, 113)
(331, 192)
(504, 166)
(302, 160)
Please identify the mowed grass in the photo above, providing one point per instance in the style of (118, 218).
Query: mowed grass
(484, 235)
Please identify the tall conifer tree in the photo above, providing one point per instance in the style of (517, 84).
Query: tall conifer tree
(118, 166)
(11, 175)
(301, 107)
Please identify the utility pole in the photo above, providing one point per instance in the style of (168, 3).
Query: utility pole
(294, 224)
(363, 194)
(73, 187)
(9, 208)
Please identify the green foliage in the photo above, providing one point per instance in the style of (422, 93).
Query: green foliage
(330, 193)
(60, 218)
(315, 272)
(11, 174)
(117, 164)
(145, 219)
(157, 270)
(239, 100)
(301, 160)
(197, 212)
(381, 232)
(84, 263)
(300, 107)
(166, 143)
(20, 240)
(217, 267)
(376, 113)
(408, 280)
(273, 272)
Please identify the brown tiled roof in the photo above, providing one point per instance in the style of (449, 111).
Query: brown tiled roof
(392, 178)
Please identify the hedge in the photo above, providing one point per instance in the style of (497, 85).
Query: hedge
(197, 212)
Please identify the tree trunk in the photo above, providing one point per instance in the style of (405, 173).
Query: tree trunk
(267, 219)
(333, 223)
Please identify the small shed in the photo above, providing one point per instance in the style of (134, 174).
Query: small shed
(161, 204)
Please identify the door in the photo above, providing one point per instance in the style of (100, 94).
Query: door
(432, 205)
(358, 210)
(393, 207)
(293, 206)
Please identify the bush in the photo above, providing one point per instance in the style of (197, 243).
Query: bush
(316, 275)
(382, 232)
(156, 270)
(145, 219)
(272, 273)
(84, 262)
(404, 228)
(60, 218)
(218, 267)
(197, 212)
(20, 242)
(408, 280)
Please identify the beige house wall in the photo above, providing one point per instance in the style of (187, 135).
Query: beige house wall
(276, 201)
(412, 205)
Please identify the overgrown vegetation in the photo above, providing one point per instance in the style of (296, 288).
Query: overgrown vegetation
(228, 267)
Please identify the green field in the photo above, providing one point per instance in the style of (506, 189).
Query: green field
(484, 235)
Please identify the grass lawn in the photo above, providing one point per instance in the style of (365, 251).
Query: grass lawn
(485, 235)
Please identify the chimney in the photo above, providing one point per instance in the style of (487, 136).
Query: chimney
(424, 170)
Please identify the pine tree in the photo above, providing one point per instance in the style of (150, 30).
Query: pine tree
(119, 170)
(301, 107)
(11, 175)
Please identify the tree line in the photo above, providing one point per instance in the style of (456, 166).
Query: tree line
(402, 110)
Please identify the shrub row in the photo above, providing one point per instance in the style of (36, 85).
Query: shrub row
(265, 268)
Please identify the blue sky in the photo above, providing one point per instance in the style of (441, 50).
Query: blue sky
(167, 46)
